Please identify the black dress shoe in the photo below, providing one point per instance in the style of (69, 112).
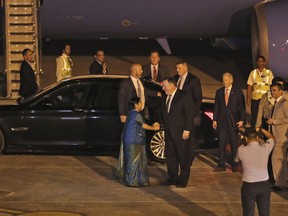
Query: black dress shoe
(181, 186)
(168, 183)
(234, 169)
(219, 169)
(279, 188)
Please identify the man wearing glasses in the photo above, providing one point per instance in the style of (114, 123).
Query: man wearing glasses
(98, 66)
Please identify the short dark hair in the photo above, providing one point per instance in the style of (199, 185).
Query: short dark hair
(98, 50)
(260, 56)
(280, 87)
(171, 80)
(25, 51)
(251, 133)
(132, 102)
(181, 62)
(277, 79)
(64, 47)
(154, 51)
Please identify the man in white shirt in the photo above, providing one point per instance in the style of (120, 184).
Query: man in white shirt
(254, 158)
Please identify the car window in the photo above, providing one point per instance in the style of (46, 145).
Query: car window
(105, 94)
(68, 97)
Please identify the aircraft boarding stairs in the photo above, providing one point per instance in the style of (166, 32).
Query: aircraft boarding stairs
(21, 31)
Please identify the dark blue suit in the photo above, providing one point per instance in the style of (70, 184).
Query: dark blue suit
(193, 87)
(177, 150)
(226, 118)
(127, 91)
(96, 68)
(28, 84)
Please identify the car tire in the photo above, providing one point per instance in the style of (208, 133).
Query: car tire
(2, 142)
(157, 146)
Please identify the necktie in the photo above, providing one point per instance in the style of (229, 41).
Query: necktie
(273, 108)
(226, 96)
(154, 73)
(179, 82)
(168, 103)
(138, 89)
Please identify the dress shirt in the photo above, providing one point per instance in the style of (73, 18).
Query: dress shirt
(254, 158)
(152, 69)
(134, 80)
(171, 98)
(182, 80)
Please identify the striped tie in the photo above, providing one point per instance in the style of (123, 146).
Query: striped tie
(138, 89)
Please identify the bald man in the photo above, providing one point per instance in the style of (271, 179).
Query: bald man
(131, 87)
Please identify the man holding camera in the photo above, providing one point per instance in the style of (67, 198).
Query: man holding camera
(254, 158)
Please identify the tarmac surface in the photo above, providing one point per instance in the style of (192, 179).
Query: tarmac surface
(57, 185)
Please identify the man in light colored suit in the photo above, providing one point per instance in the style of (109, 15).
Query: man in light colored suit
(279, 122)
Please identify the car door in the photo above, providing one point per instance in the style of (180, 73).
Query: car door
(58, 118)
(103, 126)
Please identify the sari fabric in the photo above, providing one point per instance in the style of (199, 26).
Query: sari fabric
(132, 167)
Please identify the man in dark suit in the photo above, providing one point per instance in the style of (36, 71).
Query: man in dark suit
(229, 116)
(190, 84)
(98, 66)
(178, 115)
(155, 72)
(132, 87)
(28, 84)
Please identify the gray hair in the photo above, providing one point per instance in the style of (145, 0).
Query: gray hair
(227, 74)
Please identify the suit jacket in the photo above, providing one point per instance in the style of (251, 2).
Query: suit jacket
(192, 86)
(163, 72)
(180, 116)
(96, 68)
(280, 114)
(234, 112)
(28, 83)
(126, 92)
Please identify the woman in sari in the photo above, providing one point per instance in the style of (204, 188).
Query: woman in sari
(133, 160)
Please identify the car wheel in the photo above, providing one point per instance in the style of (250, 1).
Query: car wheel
(157, 147)
(2, 142)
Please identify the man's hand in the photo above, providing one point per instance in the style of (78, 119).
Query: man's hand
(156, 126)
(123, 118)
(270, 121)
(214, 124)
(185, 135)
(159, 94)
(239, 124)
(104, 65)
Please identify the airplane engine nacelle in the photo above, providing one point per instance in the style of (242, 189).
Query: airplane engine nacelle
(270, 35)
